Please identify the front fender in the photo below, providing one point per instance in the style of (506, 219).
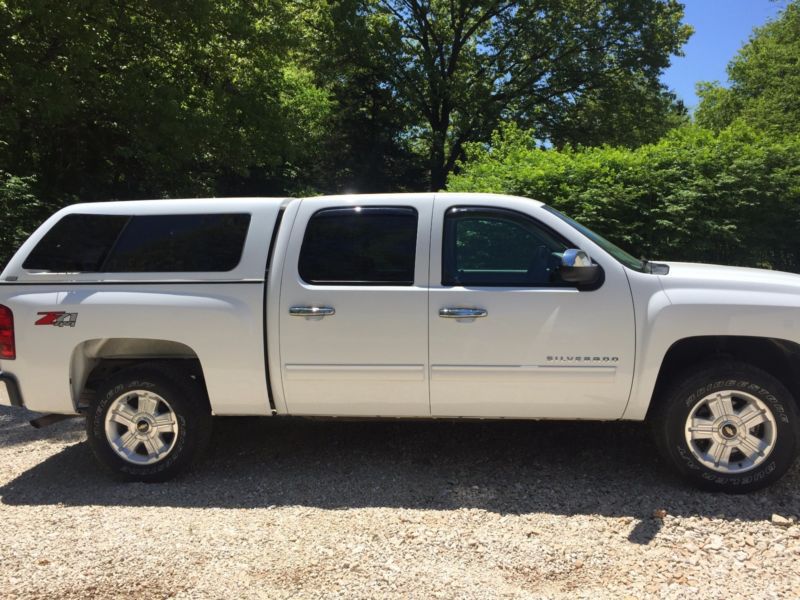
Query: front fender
(667, 316)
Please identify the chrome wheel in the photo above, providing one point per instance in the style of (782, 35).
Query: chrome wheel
(731, 431)
(141, 427)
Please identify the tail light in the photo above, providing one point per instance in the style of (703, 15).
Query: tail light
(8, 349)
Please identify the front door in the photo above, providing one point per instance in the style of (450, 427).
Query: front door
(507, 337)
(354, 301)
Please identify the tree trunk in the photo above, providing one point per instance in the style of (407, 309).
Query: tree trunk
(437, 161)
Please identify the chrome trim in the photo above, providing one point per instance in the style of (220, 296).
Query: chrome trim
(462, 313)
(312, 311)
(575, 258)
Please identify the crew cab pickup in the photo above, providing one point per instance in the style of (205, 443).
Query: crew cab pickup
(150, 317)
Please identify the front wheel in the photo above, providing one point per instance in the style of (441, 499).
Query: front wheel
(148, 424)
(728, 427)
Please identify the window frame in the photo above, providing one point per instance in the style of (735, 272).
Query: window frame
(451, 215)
(411, 210)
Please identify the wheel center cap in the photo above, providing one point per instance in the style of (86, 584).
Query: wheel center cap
(728, 431)
(143, 426)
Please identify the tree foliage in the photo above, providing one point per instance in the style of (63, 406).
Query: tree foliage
(367, 147)
(112, 100)
(21, 211)
(765, 81)
(559, 65)
(123, 100)
(730, 198)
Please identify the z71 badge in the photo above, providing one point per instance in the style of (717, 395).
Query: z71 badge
(58, 319)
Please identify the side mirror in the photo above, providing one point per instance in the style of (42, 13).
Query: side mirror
(577, 267)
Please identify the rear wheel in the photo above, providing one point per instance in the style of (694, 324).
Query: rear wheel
(728, 427)
(148, 424)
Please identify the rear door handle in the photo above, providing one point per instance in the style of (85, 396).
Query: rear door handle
(311, 311)
(462, 313)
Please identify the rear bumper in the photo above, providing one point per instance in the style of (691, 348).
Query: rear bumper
(9, 391)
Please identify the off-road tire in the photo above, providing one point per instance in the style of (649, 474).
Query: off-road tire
(670, 414)
(188, 403)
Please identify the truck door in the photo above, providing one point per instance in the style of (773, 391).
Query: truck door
(507, 338)
(354, 302)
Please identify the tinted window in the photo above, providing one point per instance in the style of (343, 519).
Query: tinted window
(152, 243)
(77, 243)
(499, 248)
(360, 246)
(159, 243)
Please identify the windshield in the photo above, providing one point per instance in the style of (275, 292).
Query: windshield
(626, 259)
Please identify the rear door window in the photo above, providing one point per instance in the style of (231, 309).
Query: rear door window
(360, 246)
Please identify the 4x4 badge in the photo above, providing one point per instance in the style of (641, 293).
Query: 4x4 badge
(58, 319)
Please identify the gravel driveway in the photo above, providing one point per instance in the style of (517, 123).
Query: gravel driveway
(305, 509)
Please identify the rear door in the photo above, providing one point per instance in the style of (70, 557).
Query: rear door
(354, 301)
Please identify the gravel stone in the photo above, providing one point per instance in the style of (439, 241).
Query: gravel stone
(289, 508)
(782, 521)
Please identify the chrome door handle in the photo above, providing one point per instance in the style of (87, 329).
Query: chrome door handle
(462, 313)
(311, 311)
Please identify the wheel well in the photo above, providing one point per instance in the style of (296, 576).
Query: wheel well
(779, 358)
(94, 361)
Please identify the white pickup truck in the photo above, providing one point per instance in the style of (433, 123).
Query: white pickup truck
(150, 317)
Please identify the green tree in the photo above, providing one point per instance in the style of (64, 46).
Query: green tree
(122, 100)
(627, 110)
(561, 66)
(765, 81)
(367, 148)
(21, 212)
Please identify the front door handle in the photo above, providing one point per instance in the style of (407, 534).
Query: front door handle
(462, 313)
(311, 311)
